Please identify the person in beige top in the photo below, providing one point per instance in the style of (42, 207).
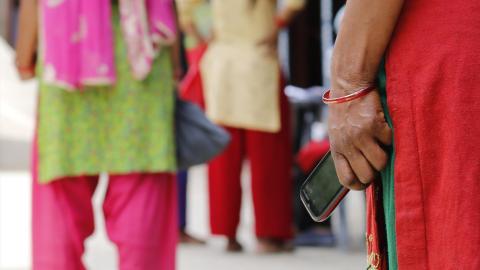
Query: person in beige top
(242, 89)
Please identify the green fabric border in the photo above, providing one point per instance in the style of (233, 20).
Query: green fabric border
(388, 184)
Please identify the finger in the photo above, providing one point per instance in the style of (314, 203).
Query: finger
(375, 155)
(384, 134)
(361, 167)
(345, 173)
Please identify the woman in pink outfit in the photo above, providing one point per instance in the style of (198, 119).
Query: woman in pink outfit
(106, 104)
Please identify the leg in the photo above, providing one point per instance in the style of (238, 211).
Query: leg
(185, 237)
(182, 178)
(141, 219)
(272, 184)
(225, 189)
(62, 218)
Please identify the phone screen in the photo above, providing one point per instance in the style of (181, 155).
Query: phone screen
(322, 190)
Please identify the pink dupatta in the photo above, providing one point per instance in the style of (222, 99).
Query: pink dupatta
(78, 39)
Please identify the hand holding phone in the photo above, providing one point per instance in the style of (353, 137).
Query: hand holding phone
(322, 192)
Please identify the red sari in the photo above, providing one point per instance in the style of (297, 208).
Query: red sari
(433, 91)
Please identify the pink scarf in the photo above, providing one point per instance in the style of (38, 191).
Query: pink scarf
(78, 39)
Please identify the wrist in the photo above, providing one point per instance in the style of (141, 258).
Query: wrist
(199, 39)
(346, 85)
(336, 92)
(328, 99)
(350, 73)
(25, 68)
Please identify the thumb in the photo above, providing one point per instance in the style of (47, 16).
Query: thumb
(385, 134)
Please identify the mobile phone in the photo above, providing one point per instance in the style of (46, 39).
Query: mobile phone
(322, 192)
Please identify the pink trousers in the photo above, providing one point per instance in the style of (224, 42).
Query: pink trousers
(140, 212)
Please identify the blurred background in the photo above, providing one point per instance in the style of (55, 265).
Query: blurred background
(304, 48)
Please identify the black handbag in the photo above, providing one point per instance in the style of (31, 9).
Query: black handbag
(198, 140)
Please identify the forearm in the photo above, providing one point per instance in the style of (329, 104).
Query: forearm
(364, 35)
(27, 37)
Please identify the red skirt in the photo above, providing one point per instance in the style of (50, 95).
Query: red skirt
(433, 91)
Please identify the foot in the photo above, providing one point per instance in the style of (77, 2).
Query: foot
(233, 245)
(186, 238)
(274, 245)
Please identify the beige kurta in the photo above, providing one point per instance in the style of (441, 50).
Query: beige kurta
(240, 76)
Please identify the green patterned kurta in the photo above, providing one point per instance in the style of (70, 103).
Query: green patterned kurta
(118, 129)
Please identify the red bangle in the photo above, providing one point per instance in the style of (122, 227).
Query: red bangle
(24, 69)
(30, 69)
(357, 94)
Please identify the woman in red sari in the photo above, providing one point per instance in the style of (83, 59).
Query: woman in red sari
(430, 198)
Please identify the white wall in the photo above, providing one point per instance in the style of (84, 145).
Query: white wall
(15, 209)
(17, 106)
